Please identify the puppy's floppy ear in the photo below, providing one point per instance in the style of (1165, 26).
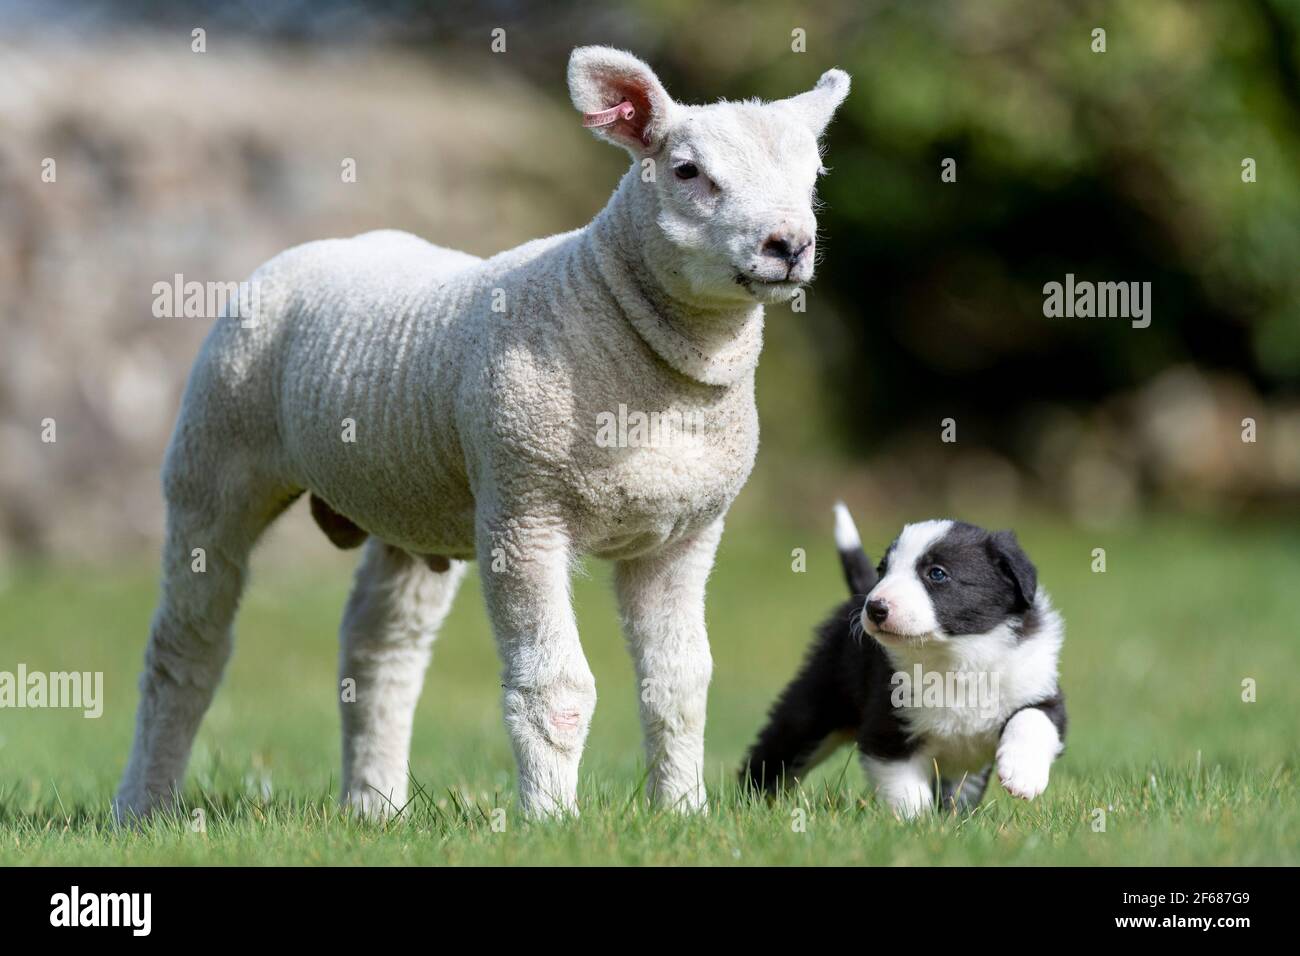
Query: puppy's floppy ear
(601, 78)
(1015, 565)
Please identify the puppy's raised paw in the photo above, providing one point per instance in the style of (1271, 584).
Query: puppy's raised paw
(1023, 773)
(1029, 744)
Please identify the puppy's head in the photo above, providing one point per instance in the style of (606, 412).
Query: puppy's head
(942, 580)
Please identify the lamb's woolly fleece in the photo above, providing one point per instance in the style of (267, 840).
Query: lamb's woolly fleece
(474, 388)
(449, 396)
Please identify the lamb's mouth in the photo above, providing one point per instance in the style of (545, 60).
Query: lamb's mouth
(753, 284)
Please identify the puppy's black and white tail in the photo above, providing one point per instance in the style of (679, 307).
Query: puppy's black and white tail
(858, 572)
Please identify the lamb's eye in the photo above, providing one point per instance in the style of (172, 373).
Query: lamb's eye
(937, 574)
(687, 171)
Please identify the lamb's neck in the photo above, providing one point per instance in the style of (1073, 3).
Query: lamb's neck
(714, 344)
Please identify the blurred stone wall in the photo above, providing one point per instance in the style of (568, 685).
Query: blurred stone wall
(168, 161)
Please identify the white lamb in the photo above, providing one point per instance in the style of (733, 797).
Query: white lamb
(473, 391)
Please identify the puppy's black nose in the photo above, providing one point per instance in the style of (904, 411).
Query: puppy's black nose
(877, 611)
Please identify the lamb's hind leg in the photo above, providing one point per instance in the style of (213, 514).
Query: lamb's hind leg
(211, 527)
(397, 604)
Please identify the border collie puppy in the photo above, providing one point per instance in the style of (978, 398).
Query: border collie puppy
(941, 664)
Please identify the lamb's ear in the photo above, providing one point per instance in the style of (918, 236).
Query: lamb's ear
(818, 105)
(600, 79)
(1012, 561)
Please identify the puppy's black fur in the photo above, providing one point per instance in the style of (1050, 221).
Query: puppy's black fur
(835, 697)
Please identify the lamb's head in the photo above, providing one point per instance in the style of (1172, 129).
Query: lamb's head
(731, 186)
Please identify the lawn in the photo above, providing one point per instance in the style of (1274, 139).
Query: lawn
(1182, 769)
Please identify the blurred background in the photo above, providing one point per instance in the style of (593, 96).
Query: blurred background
(1116, 166)
(1083, 434)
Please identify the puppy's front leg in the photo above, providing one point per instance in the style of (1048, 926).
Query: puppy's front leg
(1030, 741)
(549, 691)
(906, 784)
(661, 597)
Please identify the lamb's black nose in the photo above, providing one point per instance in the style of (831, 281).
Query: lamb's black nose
(778, 247)
(877, 611)
(787, 245)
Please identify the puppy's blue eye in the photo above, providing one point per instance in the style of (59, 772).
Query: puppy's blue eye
(937, 574)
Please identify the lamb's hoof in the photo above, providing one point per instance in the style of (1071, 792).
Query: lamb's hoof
(541, 808)
(370, 804)
(687, 802)
(131, 808)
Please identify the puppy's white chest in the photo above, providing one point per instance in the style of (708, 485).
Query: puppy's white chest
(969, 689)
(957, 738)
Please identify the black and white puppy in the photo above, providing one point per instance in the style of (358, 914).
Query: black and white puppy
(958, 671)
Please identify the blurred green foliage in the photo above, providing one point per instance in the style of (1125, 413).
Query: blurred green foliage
(1123, 166)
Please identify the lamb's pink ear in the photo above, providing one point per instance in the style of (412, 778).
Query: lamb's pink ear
(601, 80)
(818, 105)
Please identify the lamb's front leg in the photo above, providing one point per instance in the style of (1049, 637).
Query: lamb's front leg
(549, 691)
(661, 597)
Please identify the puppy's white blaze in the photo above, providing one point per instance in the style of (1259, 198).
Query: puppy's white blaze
(914, 540)
(1029, 744)
(846, 532)
(910, 611)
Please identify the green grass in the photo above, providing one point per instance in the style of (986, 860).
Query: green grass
(1157, 649)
